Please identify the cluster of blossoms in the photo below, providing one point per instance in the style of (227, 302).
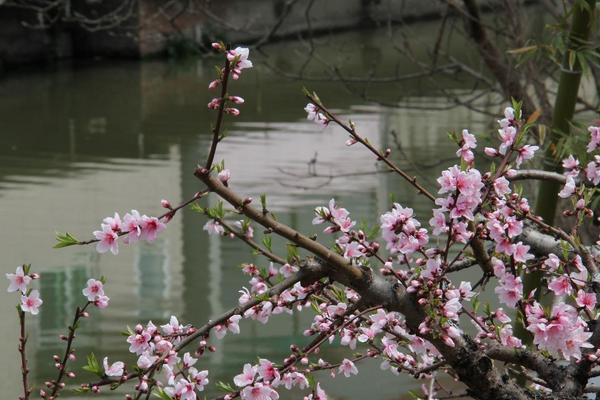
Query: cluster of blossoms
(353, 244)
(401, 232)
(19, 282)
(467, 194)
(314, 114)
(237, 62)
(157, 348)
(471, 207)
(133, 227)
(94, 292)
(573, 171)
(30, 302)
(285, 302)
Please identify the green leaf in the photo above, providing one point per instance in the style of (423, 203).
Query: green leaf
(263, 202)
(93, 365)
(267, 241)
(226, 387)
(292, 252)
(197, 208)
(65, 240)
(311, 380)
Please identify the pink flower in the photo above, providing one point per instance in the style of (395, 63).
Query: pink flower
(570, 163)
(353, 250)
(507, 135)
(348, 368)
(101, 301)
(214, 228)
(183, 390)
(107, 240)
(525, 153)
(239, 55)
(501, 186)
(552, 262)
(560, 285)
(267, 370)
(468, 142)
(173, 327)
(568, 189)
(288, 270)
(313, 114)
(587, 300)
(146, 360)
(438, 222)
(31, 303)
(521, 253)
(18, 281)
(224, 176)
(246, 377)
(259, 391)
(188, 360)
(509, 117)
(132, 224)
(116, 369)
(507, 339)
(510, 290)
(319, 394)
(93, 289)
(199, 378)
(490, 152)
(113, 222)
(594, 138)
(151, 227)
(139, 343)
(592, 171)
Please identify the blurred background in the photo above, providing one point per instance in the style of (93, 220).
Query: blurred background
(103, 109)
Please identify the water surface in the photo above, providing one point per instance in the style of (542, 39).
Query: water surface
(80, 142)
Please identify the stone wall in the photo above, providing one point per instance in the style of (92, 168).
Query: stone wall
(154, 26)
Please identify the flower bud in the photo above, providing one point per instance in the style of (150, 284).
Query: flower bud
(165, 204)
(236, 99)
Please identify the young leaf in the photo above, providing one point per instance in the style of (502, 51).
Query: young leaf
(65, 240)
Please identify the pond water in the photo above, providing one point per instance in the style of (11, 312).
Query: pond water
(79, 142)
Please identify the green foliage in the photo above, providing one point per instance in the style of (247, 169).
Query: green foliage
(226, 387)
(93, 365)
(65, 240)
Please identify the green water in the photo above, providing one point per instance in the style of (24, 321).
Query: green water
(79, 142)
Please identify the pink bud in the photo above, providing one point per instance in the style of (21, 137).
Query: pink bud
(165, 204)
(224, 176)
(214, 84)
(233, 111)
(236, 99)
(217, 46)
(214, 104)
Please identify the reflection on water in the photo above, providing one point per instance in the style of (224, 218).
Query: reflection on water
(77, 144)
